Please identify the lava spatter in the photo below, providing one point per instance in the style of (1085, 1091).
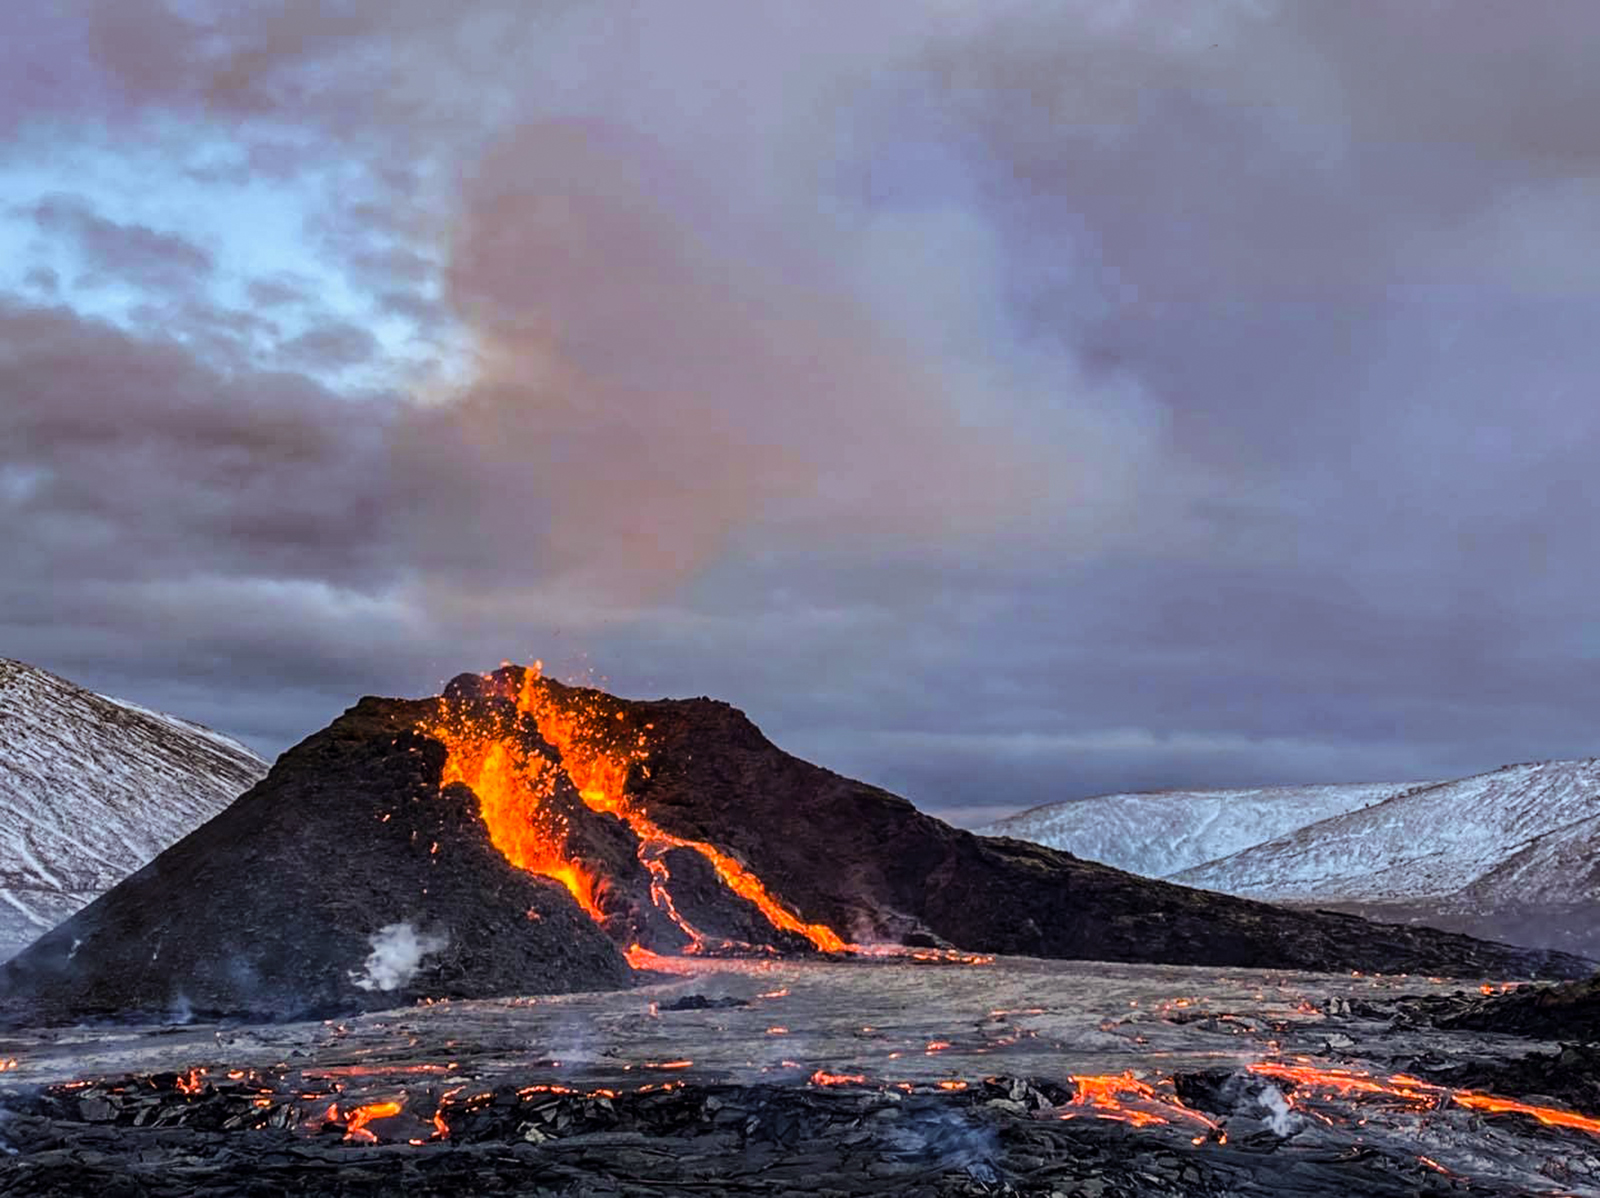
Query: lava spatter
(514, 789)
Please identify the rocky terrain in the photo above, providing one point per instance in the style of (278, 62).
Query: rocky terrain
(1514, 853)
(1486, 836)
(1511, 855)
(91, 788)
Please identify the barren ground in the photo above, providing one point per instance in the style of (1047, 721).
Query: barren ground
(725, 1098)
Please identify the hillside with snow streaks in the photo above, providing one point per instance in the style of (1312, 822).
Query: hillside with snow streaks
(1524, 833)
(1161, 832)
(91, 788)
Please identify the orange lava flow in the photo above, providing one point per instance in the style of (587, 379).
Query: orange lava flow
(597, 761)
(1125, 1098)
(1416, 1093)
(599, 749)
(642, 958)
(513, 791)
(1549, 1116)
(1399, 1088)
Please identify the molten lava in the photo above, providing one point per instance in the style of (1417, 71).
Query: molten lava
(823, 1078)
(514, 789)
(355, 1122)
(1416, 1094)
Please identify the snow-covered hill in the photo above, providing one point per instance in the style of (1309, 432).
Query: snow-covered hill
(91, 788)
(1524, 833)
(1161, 832)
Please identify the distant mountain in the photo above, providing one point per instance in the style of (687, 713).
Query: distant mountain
(1514, 853)
(1162, 832)
(1433, 842)
(91, 788)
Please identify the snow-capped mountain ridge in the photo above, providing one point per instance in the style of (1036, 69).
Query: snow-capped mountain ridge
(1523, 833)
(91, 788)
(1157, 833)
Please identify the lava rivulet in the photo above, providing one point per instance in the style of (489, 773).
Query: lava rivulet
(597, 760)
(1415, 1093)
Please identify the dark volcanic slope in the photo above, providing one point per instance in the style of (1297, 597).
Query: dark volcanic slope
(872, 866)
(277, 905)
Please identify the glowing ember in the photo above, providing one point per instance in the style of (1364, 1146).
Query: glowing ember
(823, 1078)
(192, 1082)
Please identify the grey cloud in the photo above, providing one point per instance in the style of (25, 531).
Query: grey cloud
(329, 346)
(153, 464)
(279, 291)
(133, 253)
(427, 314)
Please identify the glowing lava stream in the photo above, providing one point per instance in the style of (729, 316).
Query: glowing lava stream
(1414, 1092)
(513, 789)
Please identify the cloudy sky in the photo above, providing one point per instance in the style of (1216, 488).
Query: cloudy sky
(1002, 402)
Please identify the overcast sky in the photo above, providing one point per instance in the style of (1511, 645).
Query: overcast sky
(1002, 402)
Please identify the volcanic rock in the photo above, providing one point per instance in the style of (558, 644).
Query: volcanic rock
(1570, 1012)
(871, 866)
(346, 879)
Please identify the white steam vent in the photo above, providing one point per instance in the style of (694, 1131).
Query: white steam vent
(397, 952)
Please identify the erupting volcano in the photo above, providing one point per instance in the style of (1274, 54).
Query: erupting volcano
(517, 835)
(597, 746)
